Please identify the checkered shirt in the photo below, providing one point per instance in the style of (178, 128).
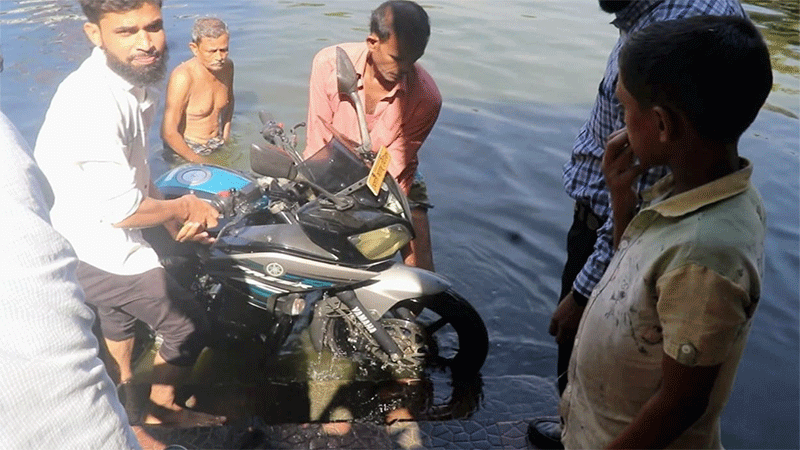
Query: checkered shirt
(583, 176)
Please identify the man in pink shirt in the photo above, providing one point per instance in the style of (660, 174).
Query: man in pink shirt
(400, 99)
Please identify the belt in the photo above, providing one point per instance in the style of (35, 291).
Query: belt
(585, 215)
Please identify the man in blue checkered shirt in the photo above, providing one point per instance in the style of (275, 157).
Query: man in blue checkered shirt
(590, 240)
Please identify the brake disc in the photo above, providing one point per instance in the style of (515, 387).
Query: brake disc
(410, 337)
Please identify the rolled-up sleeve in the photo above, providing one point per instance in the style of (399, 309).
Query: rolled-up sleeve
(115, 195)
(703, 314)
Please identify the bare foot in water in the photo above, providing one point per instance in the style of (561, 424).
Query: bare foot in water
(146, 441)
(181, 418)
(336, 428)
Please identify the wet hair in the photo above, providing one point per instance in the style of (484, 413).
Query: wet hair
(94, 9)
(716, 70)
(407, 20)
(208, 27)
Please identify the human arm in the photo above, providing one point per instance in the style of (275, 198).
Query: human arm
(620, 173)
(175, 104)
(417, 118)
(180, 230)
(566, 318)
(227, 114)
(194, 214)
(621, 170)
(320, 111)
(681, 399)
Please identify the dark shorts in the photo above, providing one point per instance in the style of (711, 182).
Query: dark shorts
(153, 297)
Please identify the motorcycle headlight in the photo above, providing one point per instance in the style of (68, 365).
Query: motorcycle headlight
(381, 243)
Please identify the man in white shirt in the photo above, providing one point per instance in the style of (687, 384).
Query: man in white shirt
(93, 150)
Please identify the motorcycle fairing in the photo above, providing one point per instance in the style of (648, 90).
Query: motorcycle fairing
(290, 273)
(399, 282)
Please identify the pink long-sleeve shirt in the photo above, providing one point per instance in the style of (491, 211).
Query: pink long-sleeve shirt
(401, 120)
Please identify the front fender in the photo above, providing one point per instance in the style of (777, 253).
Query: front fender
(399, 282)
(395, 284)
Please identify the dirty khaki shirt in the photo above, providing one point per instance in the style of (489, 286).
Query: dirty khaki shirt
(685, 281)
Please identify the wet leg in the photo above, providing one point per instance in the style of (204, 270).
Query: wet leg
(418, 252)
(163, 408)
(121, 352)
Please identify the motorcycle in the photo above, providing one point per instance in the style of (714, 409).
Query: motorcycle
(308, 238)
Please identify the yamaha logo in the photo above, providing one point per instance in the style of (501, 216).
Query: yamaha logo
(274, 269)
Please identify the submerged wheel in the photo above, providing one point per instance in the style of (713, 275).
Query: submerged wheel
(442, 330)
(456, 335)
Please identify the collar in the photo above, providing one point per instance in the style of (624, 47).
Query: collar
(658, 197)
(145, 96)
(631, 14)
(360, 65)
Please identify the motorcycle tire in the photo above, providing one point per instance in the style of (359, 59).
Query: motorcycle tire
(453, 332)
(456, 315)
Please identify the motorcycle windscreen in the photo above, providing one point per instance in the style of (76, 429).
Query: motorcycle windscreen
(335, 166)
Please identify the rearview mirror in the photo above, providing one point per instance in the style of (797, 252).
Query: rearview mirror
(347, 81)
(272, 162)
(345, 73)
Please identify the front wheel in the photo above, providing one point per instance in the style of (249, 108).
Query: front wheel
(438, 331)
(456, 336)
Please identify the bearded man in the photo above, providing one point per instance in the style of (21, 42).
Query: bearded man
(93, 151)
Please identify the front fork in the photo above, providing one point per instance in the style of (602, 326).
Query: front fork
(372, 326)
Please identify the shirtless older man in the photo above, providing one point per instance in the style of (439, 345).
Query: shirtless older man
(199, 103)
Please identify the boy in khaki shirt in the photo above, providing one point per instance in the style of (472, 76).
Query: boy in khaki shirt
(662, 335)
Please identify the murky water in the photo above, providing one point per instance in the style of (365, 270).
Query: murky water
(518, 79)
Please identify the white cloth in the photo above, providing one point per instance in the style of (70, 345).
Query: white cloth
(54, 390)
(93, 150)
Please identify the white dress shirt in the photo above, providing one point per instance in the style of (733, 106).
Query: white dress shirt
(93, 150)
(54, 389)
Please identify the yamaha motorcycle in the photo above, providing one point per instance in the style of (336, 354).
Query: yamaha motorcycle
(312, 243)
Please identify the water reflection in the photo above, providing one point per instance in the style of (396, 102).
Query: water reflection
(292, 388)
(778, 22)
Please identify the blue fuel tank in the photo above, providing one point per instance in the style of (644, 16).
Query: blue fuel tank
(203, 180)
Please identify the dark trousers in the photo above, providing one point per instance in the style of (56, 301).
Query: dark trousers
(580, 245)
